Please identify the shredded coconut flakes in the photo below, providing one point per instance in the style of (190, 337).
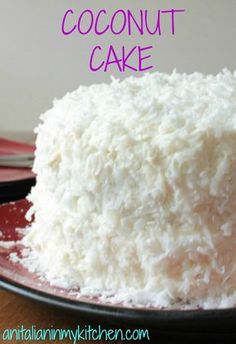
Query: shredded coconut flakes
(136, 190)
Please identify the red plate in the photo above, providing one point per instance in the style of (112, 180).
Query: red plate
(13, 175)
(8, 147)
(16, 278)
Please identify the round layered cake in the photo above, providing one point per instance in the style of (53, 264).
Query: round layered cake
(135, 197)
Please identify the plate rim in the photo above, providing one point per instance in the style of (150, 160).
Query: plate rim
(107, 310)
(17, 181)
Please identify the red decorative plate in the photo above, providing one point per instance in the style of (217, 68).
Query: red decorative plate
(14, 175)
(16, 278)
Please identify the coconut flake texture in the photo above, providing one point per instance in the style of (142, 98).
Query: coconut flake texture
(136, 190)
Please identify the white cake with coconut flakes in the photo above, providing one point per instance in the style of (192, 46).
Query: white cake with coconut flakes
(136, 191)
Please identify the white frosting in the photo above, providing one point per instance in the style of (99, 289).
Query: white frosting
(136, 190)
